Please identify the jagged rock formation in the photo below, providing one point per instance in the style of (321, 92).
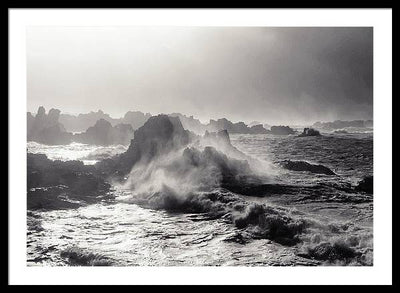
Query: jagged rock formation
(82, 122)
(259, 129)
(45, 128)
(239, 127)
(305, 166)
(190, 123)
(159, 135)
(135, 118)
(331, 252)
(221, 124)
(282, 130)
(103, 133)
(309, 132)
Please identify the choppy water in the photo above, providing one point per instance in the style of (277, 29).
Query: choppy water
(122, 233)
(88, 154)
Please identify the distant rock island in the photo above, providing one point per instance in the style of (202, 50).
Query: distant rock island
(100, 128)
(45, 128)
(103, 133)
(232, 128)
(81, 122)
(339, 124)
(282, 130)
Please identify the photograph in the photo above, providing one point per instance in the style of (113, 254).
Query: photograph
(231, 146)
(199, 146)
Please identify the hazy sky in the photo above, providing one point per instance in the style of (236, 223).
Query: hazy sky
(272, 75)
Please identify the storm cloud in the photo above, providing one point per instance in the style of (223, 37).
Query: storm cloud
(269, 74)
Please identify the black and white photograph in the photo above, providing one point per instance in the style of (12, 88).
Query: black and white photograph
(199, 146)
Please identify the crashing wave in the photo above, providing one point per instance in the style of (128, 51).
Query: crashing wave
(76, 256)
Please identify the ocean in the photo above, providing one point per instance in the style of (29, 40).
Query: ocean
(333, 225)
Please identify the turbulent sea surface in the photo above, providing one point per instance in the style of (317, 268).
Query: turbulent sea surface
(122, 233)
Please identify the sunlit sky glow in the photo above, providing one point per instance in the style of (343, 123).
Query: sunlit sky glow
(271, 75)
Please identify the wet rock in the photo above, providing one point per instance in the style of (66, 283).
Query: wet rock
(57, 184)
(309, 132)
(331, 252)
(159, 135)
(305, 166)
(267, 223)
(76, 256)
(82, 122)
(237, 238)
(366, 185)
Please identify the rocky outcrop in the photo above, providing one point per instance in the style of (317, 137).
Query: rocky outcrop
(366, 185)
(282, 130)
(135, 118)
(46, 129)
(82, 122)
(239, 127)
(159, 135)
(103, 133)
(305, 166)
(259, 129)
(331, 252)
(309, 132)
(58, 185)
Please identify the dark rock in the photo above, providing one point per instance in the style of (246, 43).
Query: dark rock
(56, 184)
(366, 185)
(329, 252)
(270, 224)
(282, 130)
(305, 166)
(159, 135)
(309, 132)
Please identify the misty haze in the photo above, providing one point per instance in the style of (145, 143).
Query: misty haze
(199, 146)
